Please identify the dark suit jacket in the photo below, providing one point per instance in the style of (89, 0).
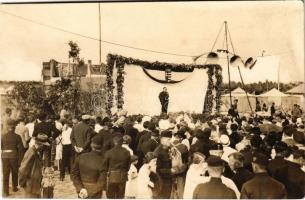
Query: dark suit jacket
(143, 136)
(293, 178)
(133, 132)
(234, 139)
(164, 163)
(214, 189)
(241, 176)
(276, 164)
(262, 186)
(149, 146)
(87, 171)
(81, 136)
(47, 128)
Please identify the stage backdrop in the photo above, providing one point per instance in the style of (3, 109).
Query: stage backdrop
(141, 92)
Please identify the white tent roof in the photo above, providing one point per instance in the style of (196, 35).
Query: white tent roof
(3, 91)
(273, 93)
(300, 89)
(238, 92)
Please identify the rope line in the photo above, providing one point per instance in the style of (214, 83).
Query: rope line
(136, 48)
(92, 38)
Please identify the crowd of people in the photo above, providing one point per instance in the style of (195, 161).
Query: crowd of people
(175, 155)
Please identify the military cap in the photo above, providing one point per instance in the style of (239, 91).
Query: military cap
(214, 161)
(260, 159)
(166, 133)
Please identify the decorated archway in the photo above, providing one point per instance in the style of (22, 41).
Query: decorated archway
(198, 85)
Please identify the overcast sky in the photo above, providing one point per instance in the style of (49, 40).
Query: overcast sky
(178, 27)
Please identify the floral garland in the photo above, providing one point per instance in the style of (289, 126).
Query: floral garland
(109, 84)
(121, 61)
(209, 97)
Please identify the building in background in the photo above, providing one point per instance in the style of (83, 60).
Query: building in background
(87, 74)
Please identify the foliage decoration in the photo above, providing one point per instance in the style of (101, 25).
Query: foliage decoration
(120, 61)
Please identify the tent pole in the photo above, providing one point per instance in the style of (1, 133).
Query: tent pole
(242, 81)
(228, 64)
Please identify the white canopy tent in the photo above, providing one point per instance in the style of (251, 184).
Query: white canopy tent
(243, 104)
(271, 96)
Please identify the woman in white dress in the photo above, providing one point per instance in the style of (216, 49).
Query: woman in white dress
(145, 185)
(195, 175)
(131, 184)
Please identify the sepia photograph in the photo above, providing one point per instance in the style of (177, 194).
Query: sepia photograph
(152, 100)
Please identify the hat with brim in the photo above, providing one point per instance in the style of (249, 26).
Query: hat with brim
(42, 138)
(86, 117)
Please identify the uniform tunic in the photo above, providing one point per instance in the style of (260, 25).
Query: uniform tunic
(86, 173)
(214, 189)
(116, 159)
(12, 150)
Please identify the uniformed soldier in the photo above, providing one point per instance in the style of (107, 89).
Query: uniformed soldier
(12, 150)
(164, 165)
(86, 174)
(262, 186)
(115, 168)
(214, 189)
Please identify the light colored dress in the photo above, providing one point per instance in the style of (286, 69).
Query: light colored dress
(131, 184)
(194, 176)
(144, 191)
(58, 151)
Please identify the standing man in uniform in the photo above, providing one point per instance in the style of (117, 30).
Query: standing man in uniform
(12, 150)
(164, 165)
(115, 168)
(214, 189)
(164, 99)
(86, 172)
(262, 186)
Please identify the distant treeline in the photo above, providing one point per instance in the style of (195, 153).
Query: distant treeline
(260, 87)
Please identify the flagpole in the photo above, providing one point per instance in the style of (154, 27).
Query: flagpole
(100, 37)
